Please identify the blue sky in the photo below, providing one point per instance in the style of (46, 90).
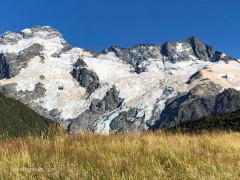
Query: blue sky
(98, 24)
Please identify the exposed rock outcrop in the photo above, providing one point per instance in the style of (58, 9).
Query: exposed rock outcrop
(190, 49)
(11, 63)
(136, 55)
(203, 100)
(85, 77)
(87, 120)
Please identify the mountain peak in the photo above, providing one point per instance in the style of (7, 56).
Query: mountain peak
(193, 38)
(18, 41)
(43, 32)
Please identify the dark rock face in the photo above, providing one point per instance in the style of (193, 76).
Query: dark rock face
(9, 90)
(203, 100)
(11, 64)
(128, 122)
(168, 50)
(136, 55)
(53, 114)
(4, 67)
(97, 109)
(194, 77)
(193, 47)
(30, 52)
(65, 49)
(203, 51)
(7, 65)
(196, 103)
(227, 101)
(85, 77)
(38, 92)
(109, 102)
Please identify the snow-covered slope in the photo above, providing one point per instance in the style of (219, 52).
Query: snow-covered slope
(50, 71)
(118, 89)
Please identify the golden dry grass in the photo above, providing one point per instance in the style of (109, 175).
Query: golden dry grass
(123, 156)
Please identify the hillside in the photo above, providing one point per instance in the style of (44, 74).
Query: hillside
(224, 122)
(16, 119)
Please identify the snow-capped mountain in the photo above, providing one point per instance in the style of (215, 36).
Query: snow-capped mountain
(117, 89)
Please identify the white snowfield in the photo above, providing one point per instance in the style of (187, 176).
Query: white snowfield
(143, 91)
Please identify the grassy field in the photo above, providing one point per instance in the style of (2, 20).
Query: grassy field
(156, 155)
